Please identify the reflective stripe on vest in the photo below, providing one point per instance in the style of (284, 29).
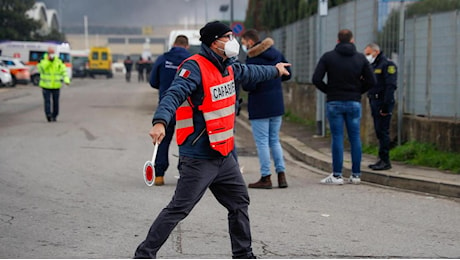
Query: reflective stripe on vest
(184, 122)
(218, 108)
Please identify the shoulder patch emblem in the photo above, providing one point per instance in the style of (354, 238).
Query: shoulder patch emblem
(184, 73)
(391, 69)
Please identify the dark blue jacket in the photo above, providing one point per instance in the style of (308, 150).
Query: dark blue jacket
(165, 67)
(190, 85)
(349, 74)
(386, 73)
(265, 99)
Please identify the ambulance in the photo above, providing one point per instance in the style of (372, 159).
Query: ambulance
(30, 53)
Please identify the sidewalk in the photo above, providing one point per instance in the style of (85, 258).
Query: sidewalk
(300, 142)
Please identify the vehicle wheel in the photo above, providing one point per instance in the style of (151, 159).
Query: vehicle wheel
(35, 79)
(110, 75)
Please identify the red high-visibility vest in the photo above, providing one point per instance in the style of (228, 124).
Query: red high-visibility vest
(218, 107)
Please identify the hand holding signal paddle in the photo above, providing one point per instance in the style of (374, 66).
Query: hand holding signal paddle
(149, 170)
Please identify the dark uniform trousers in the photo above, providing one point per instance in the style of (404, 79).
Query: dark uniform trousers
(48, 94)
(224, 179)
(162, 160)
(382, 127)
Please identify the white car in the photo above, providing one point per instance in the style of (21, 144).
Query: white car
(118, 67)
(19, 71)
(5, 75)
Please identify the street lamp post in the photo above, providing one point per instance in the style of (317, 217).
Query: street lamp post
(223, 9)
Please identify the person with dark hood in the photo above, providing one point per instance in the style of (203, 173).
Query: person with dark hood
(349, 75)
(202, 97)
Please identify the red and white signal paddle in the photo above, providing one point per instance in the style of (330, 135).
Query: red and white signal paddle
(149, 170)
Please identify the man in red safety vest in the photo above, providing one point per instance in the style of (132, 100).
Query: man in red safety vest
(204, 95)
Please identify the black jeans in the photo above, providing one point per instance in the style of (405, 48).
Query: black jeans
(162, 160)
(224, 179)
(382, 128)
(53, 94)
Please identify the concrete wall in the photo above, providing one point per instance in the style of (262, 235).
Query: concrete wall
(300, 100)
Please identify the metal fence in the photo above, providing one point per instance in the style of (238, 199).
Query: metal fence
(432, 65)
(430, 68)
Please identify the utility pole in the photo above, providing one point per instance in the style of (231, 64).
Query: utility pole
(85, 24)
(231, 12)
(320, 99)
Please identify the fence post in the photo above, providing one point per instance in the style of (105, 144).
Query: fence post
(401, 70)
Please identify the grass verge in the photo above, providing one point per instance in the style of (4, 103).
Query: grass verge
(421, 154)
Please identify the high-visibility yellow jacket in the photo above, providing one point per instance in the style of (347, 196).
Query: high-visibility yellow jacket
(52, 73)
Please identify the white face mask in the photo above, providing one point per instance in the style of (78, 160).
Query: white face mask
(370, 58)
(232, 48)
(244, 48)
(51, 56)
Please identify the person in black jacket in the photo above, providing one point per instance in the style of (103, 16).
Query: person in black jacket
(266, 109)
(349, 75)
(382, 101)
(163, 73)
(140, 66)
(129, 67)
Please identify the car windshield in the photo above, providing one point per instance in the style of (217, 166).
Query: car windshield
(78, 61)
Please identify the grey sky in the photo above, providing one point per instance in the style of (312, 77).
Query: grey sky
(144, 12)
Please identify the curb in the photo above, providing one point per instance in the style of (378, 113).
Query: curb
(319, 160)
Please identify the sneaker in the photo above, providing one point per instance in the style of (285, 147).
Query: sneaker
(354, 180)
(332, 180)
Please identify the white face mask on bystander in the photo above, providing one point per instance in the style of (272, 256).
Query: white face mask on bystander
(370, 58)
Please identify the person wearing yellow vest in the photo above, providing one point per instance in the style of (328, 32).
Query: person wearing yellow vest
(52, 73)
(202, 96)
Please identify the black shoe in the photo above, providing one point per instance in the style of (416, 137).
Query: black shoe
(53, 119)
(246, 256)
(375, 164)
(381, 166)
(48, 118)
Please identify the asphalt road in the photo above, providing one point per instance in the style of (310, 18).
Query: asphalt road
(74, 189)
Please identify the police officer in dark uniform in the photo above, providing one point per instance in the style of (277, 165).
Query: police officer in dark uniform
(382, 101)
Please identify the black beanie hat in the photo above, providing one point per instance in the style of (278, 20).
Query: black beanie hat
(213, 30)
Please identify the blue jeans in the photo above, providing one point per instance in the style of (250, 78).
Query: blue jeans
(266, 135)
(338, 113)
